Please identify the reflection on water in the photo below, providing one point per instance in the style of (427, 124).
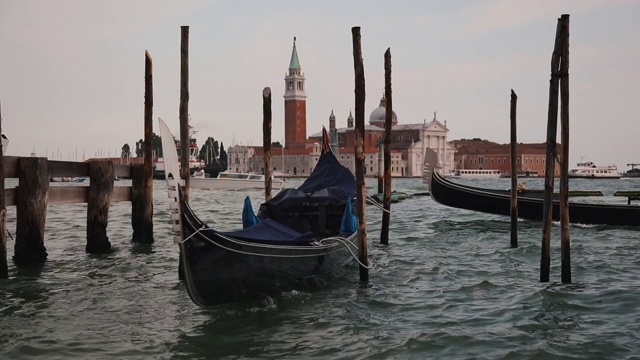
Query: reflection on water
(448, 287)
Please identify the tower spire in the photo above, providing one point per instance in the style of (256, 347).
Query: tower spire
(294, 63)
(295, 118)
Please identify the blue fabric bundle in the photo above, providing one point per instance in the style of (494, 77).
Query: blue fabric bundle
(249, 218)
(349, 223)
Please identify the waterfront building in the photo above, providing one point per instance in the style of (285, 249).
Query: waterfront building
(488, 155)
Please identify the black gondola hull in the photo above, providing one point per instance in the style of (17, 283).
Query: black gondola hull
(497, 202)
(219, 269)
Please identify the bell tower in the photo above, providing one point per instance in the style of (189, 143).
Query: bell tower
(295, 102)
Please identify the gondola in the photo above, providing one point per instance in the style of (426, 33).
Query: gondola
(498, 202)
(300, 239)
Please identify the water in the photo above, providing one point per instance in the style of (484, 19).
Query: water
(447, 287)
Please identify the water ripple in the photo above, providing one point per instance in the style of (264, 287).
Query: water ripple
(448, 287)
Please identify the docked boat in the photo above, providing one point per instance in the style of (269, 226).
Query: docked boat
(590, 171)
(474, 174)
(530, 207)
(229, 180)
(76, 179)
(299, 240)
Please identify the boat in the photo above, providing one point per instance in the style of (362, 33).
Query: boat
(395, 197)
(76, 179)
(300, 240)
(474, 173)
(229, 180)
(530, 207)
(589, 170)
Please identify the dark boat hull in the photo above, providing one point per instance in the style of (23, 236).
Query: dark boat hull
(464, 197)
(219, 269)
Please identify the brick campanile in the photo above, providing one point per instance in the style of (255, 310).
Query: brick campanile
(295, 103)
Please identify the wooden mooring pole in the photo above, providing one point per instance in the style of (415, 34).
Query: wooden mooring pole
(4, 266)
(266, 141)
(31, 211)
(380, 168)
(101, 175)
(185, 142)
(359, 152)
(514, 172)
(565, 242)
(386, 203)
(550, 160)
(142, 176)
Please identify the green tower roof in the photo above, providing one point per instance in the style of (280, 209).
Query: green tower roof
(295, 62)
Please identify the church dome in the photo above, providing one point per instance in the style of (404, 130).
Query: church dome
(379, 115)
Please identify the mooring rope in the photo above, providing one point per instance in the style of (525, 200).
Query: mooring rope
(196, 232)
(342, 240)
(346, 244)
(375, 203)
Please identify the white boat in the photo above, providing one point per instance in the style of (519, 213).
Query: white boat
(194, 162)
(228, 180)
(473, 174)
(589, 170)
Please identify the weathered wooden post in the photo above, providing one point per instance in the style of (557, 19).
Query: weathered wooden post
(514, 172)
(550, 160)
(359, 152)
(101, 176)
(386, 215)
(185, 172)
(142, 176)
(141, 206)
(381, 168)
(31, 211)
(266, 141)
(565, 242)
(4, 266)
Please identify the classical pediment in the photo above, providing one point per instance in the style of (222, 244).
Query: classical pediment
(437, 126)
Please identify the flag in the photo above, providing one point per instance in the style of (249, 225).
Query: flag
(325, 141)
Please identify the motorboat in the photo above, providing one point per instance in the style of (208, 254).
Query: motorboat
(229, 180)
(589, 170)
(474, 173)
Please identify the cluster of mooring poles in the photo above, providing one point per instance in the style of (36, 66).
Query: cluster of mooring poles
(33, 195)
(558, 86)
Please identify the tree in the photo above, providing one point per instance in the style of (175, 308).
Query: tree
(209, 152)
(276, 144)
(126, 151)
(140, 148)
(156, 145)
(223, 157)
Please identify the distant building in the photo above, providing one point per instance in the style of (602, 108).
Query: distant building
(484, 154)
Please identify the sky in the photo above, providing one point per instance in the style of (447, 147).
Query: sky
(72, 71)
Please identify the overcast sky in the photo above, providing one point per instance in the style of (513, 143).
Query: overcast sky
(72, 72)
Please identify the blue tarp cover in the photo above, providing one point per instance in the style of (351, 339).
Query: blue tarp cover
(329, 173)
(271, 231)
(293, 216)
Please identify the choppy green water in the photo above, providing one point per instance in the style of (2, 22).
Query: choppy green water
(447, 287)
